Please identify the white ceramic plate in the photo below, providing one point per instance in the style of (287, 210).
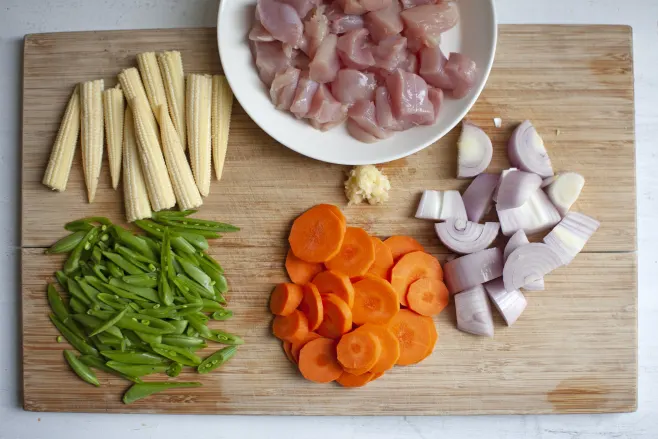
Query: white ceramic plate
(475, 36)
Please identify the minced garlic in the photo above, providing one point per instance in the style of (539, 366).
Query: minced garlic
(367, 183)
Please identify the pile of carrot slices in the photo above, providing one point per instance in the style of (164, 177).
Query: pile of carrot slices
(357, 305)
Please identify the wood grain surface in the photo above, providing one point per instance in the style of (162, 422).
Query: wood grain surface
(573, 351)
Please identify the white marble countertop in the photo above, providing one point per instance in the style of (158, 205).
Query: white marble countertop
(20, 17)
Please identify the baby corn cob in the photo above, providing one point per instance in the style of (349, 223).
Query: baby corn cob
(134, 188)
(187, 194)
(152, 80)
(199, 102)
(113, 107)
(171, 67)
(222, 105)
(158, 184)
(61, 157)
(91, 133)
(132, 87)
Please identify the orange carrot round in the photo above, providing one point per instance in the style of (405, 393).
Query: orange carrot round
(383, 259)
(376, 376)
(287, 348)
(317, 235)
(318, 361)
(390, 347)
(359, 350)
(292, 328)
(427, 296)
(311, 306)
(356, 255)
(285, 299)
(401, 245)
(346, 379)
(434, 336)
(413, 334)
(297, 347)
(335, 210)
(333, 282)
(337, 317)
(375, 301)
(301, 272)
(412, 267)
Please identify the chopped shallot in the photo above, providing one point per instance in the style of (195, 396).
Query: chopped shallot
(475, 151)
(535, 215)
(564, 190)
(466, 237)
(474, 312)
(510, 304)
(528, 264)
(474, 269)
(517, 240)
(478, 196)
(441, 205)
(570, 236)
(527, 152)
(516, 188)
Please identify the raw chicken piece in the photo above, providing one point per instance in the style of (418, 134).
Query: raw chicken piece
(432, 68)
(461, 70)
(283, 88)
(364, 114)
(281, 21)
(300, 60)
(436, 97)
(376, 5)
(325, 63)
(428, 22)
(316, 27)
(271, 58)
(341, 22)
(359, 133)
(326, 112)
(259, 33)
(414, 41)
(384, 112)
(354, 50)
(306, 89)
(303, 7)
(390, 53)
(360, 7)
(409, 98)
(410, 64)
(352, 85)
(384, 23)
(406, 4)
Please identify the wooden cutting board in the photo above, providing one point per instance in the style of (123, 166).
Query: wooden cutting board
(573, 351)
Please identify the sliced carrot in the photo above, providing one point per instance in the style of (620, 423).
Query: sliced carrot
(413, 334)
(356, 372)
(317, 235)
(336, 211)
(356, 255)
(401, 245)
(337, 317)
(390, 347)
(359, 350)
(427, 296)
(383, 259)
(297, 347)
(333, 282)
(375, 301)
(412, 267)
(285, 299)
(318, 361)
(346, 379)
(287, 348)
(292, 328)
(311, 306)
(434, 336)
(376, 376)
(301, 272)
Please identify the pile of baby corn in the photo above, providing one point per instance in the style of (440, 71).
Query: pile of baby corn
(166, 114)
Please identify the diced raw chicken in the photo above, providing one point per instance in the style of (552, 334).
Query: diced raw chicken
(281, 21)
(384, 112)
(376, 5)
(341, 22)
(353, 85)
(364, 114)
(306, 89)
(428, 22)
(432, 68)
(259, 33)
(300, 60)
(325, 64)
(303, 7)
(461, 70)
(284, 86)
(436, 97)
(359, 133)
(409, 98)
(406, 4)
(360, 7)
(326, 111)
(384, 23)
(271, 58)
(354, 50)
(410, 64)
(390, 53)
(414, 41)
(316, 27)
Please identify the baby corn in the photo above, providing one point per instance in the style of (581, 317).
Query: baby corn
(152, 80)
(133, 88)
(114, 109)
(134, 188)
(187, 194)
(91, 133)
(222, 105)
(158, 184)
(171, 68)
(199, 93)
(61, 157)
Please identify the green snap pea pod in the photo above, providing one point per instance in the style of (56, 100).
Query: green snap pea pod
(73, 262)
(179, 326)
(157, 231)
(184, 232)
(141, 391)
(182, 355)
(198, 241)
(211, 271)
(67, 244)
(224, 338)
(180, 300)
(75, 291)
(153, 245)
(98, 271)
(78, 226)
(115, 270)
(217, 359)
(89, 220)
(199, 326)
(188, 308)
(128, 267)
(127, 252)
(92, 293)
(77, 306)
(174, 369)
(223, 314)
(134, 242)
(148, 280)
(145, 267)
(137, 370)
(184, 341)
(199, 224)
(201, 317)
(163, 312)
(165, 214)
(77, 342)
(190, 332)
(102, 245)
(206, 257)
(190, 296)
(81, 369)
(136, 341)
(195, 288)
(59, 308)
(219, 297)
(62, 279)
(114, 301)
(143, 292)
(149, 338)
(100, 346)
(97, 254)
(92, 322)
(105, 342)
(164, 288)
(196, 273)
(132, 321)
(98, 363)
(86, 269)
(111, 322)
(111, 289)
(135, 358)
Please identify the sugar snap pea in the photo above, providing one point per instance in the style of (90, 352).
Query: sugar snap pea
(199, 224)
(178, 354)
(164, 214)
(149, 338)
(127, 252)
(98, 363)
(184, 341)
(67, 244)
(89, 220)
(144, 358)
(134, 242)
(137, 370)
(179, 326)
(114, 301)
(174, 369)
(81, 369)
(195, 273)
(111, 322)
(62, 279)
(164, 288)
(92, 322)
(195, 288)
(197, 240)
(73, 261)
(199, 326)
(77, 306)
(115, 270)
(148, 280)
(141, 391)
(125, 265)
(224, 338)
(223, 314)
(59, 308)
(157, 231)
(217, 359)
(77, 342)
(143, 292)
(98, 271)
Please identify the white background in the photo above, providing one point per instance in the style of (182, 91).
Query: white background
(20, 17)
